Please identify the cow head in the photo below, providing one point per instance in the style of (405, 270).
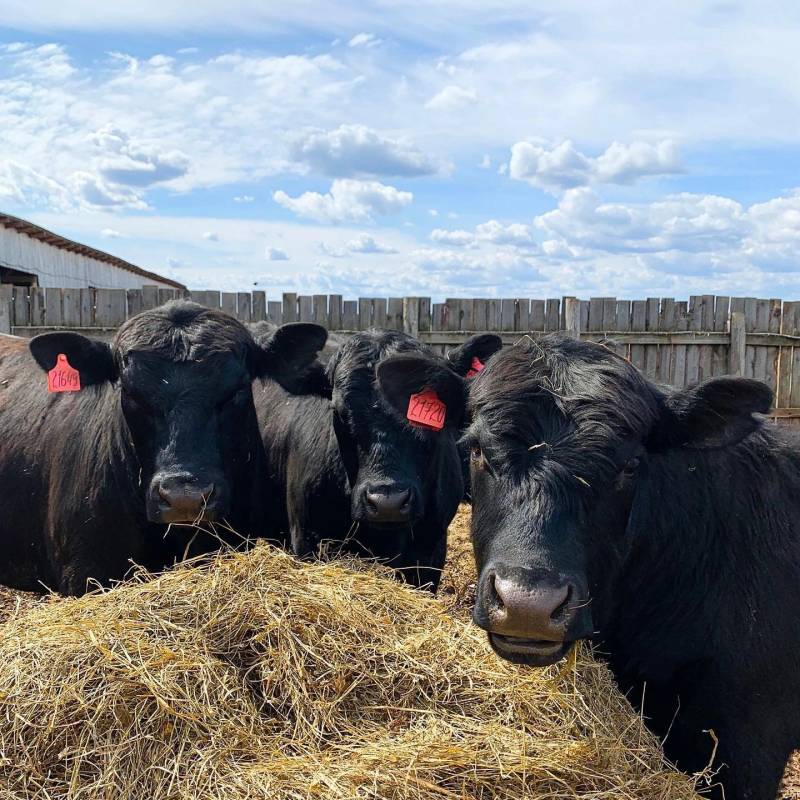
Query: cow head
(565, 437)
(392, 463)
(183, 373)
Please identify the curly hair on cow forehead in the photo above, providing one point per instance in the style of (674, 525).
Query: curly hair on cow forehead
(583, 383)
(183, 331)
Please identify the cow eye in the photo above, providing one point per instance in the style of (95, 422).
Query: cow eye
(631, 465)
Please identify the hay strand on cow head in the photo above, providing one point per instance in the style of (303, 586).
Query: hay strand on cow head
(260, 676)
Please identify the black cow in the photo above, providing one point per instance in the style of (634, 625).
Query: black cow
(665, 526)
(162, 431)
(353, 469)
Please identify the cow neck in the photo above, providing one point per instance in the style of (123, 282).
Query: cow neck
(698, 523)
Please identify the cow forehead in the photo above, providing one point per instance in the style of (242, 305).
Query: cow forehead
(215, 374)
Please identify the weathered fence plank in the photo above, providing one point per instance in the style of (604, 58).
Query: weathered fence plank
(71, 308)
(335, 312)
(638, 323)
(259, 306)
(673, 342)
(305, 308)
(319, 310)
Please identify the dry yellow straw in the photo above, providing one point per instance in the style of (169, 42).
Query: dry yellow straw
(257, 676)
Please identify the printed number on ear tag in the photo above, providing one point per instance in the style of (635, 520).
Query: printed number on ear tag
(427, 409)
(63, 377)
(476, 366)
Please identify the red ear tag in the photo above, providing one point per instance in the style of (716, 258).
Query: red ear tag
(63, 377)
(427, 409)
(476, 366)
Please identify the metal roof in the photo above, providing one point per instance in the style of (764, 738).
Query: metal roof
(43, 235)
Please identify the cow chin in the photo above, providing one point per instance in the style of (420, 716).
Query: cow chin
(172, 517)
(529, 652)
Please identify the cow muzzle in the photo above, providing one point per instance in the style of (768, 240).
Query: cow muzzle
(386, 505)
(531, 619)
(183, 499)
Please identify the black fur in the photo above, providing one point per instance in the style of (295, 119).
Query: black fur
(80, 473)
(326, 451)
(676, 517)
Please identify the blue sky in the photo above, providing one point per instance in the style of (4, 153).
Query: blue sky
(455, 149)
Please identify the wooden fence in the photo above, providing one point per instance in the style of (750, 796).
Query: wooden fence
(674, 342)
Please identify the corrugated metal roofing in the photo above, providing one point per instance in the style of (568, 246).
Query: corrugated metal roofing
(42, 234)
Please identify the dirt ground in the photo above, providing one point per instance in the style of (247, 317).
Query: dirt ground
(457, 592)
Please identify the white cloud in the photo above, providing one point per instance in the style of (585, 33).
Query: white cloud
(564, 167)
(347, 200)
(451, 98)
(491, 232)
(364, 243)
(125, 162)
(359, 151)
(364, 40)
(275, 254)
(454, 238)
(434, 212)
(361, 244)
(244, 198)
(110, 233)
(210, 236)
(495, 232)
(687, 222)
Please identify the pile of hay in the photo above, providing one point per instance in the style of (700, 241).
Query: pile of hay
(256, 676)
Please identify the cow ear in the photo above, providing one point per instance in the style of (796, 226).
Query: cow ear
(92, 358)
(400, 376)
(288, 355)
(480, 347)
(715, 413)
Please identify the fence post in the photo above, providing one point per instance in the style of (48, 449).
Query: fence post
(411, 316)
(738, 343)
(5, 316)
(572, 317)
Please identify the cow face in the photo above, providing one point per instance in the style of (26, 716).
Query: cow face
(563, 438)
(393, 465)
(183, 375)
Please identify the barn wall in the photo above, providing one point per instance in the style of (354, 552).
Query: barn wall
(55, 267)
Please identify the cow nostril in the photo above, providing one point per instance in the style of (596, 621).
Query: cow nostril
(495, 597)
(562, 609)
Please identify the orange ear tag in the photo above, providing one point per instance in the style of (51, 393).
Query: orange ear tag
(63, 377)
(426, 409)
(476, 366)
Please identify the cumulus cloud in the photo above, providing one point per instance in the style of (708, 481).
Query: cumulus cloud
(456, 238)
(364, 40)
(687, 222)
(110, 233)
(563, 166)
(275, 254)
(515, 234)
(128, 163)
(451, 98)
(364, 243)
(361, 244)
(359, 151)
(347, 200)
(492, 232)
(210, 236)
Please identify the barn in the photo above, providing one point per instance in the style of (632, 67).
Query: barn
(36, 257)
